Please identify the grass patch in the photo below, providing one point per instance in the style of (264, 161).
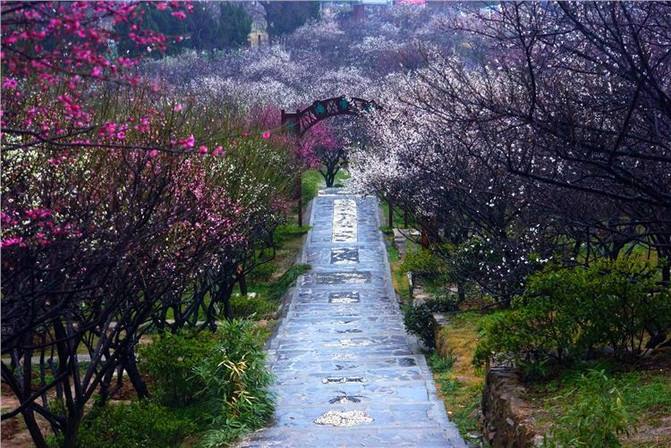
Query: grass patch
(399, 279)
(398, 216)
(645, 397)
(341, 178)
(311, 182)
(459, 383)
(263, 299)
(268, 282)
(280, 287)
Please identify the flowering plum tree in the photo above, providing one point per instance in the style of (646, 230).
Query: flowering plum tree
(324, 151)
(123, 206)
(555, 130)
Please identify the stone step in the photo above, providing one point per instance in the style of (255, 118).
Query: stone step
(347, 437)
(323, 394)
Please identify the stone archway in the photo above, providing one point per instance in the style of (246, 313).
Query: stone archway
(299, 122)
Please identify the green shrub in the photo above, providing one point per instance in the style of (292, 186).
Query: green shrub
(311, 182)
(220, 379)
(612, 303)
(419, 321)
(571, 313)
(169, 361)
(527, 337)
(441, 364)
(137, 425)
(596, 417)
(445, 302)
(422, 261)
(262, 273)
(245, 307)
(235, 379)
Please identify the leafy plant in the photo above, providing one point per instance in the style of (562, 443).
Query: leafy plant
(287, 231)
(419, 321)
(597, 416)
(245, 307)
(422, 261)
(235, 384)
(440, 364)
(169, 361)
(262, 272)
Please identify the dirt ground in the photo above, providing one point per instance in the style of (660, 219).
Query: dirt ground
(13, 432)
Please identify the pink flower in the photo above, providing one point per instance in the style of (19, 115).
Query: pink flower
(188, 142)
(219, 150)
(178, 107)
(266, 135)
(42, 239)
(121, 135)
(161, 6)
(38, 213)
(153, 153)
(12, 241)
(108, 129)
(97, 72)
(202, 150)
(9, 84)
(180, 15)
(144, 125)
(125, 62)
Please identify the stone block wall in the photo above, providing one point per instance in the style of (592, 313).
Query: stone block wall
(507, 420)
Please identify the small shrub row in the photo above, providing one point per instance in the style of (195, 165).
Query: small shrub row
(247, 307)
(577, 313)
(170, 360)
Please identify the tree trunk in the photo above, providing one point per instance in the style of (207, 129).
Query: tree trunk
(130, 365)
(242, 281)
(71, 429)
(34, 428)
(228, 308)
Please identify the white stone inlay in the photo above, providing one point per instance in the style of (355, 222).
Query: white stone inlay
(344, 221)
(343, 418)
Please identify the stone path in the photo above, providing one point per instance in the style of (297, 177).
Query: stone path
(346, 375)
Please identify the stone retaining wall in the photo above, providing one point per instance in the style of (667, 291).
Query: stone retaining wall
(506, 418)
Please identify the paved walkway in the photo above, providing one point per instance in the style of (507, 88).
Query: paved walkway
(346, 375)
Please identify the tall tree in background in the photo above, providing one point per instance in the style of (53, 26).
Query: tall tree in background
(209, 26)
(285, 17)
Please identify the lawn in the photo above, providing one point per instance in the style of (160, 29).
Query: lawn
(459, 382)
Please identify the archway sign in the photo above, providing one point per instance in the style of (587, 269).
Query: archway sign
(298, 123)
